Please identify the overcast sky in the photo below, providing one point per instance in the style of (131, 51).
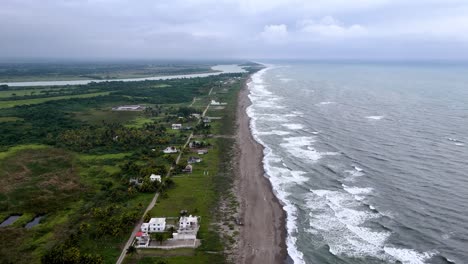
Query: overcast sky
(308, 29)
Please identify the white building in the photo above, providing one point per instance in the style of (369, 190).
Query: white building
(213, 102)
(202, 151)
(188, 222)
(155, 225)
(170, 150)
(177, 126)
(129, 108)
(154, 177)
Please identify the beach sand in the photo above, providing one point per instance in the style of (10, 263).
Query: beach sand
(262, 237)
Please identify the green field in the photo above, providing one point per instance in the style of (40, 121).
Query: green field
(7, 104)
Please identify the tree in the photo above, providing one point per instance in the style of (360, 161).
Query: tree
(160, 237)
(131, 250)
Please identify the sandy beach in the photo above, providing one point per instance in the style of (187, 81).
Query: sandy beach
(262, 238)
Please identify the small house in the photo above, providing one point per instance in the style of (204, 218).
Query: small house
(188, 169)
(188, 222)
(176, 126)
(129, 108)
(135, 181)
(170, 150)
(194, 160)
(202, 151)
(154, 177)
(142, 239)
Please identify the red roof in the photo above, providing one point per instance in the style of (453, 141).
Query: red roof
(139, 234)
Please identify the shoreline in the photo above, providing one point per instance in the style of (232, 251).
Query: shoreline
(263, 235)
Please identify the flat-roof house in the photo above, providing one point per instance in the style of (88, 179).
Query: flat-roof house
(154, 225)
(188, 222)
(176, 126)
(129, 108)
(214, 102)
(170, 150)
(154, 177)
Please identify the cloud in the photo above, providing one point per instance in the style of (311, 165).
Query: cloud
(234, 28)
(329, 27)
(275, 33)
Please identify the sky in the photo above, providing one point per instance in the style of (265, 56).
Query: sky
(234, 29)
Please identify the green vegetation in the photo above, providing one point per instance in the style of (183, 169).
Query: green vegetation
(67, 156)
(21, 72)
(6, 104)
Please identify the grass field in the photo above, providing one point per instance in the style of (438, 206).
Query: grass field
(13, 93)
(13, 103)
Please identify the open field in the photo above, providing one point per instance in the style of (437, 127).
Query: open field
(13, 103)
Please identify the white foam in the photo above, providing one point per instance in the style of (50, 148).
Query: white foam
(357, 168)
(375, 117)
(296, 146)
(274, 132)
(357, 190)
(356, 172)
(340, 219)
(326, 103)
(293, 126)
(336, 215)
(408, 256)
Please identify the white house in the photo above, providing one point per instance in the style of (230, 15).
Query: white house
(196, 115)
(213, 102)
(188, 222)
(194, 160)
(170, 150)
(155, 225)
(202, 151)
(129, 108)
(188, 169)
(154, 177)
(144, 227)
(176, 126)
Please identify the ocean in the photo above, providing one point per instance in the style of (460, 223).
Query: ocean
(369, 159)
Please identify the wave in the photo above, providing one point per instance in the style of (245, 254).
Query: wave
(375, 117)
(293, 126)
(295, 146)
(326, 103)
(341, 220)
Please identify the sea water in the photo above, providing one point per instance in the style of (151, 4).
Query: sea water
(369, 159)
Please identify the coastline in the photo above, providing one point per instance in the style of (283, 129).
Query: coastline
(263, 235)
